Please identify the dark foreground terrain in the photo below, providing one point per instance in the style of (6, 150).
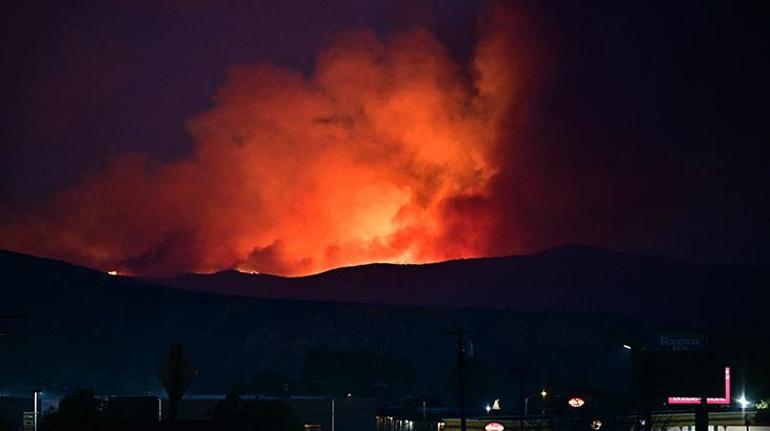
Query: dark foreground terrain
(561, 316)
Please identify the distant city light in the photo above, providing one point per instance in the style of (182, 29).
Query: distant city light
(627, 347)
(488, 408)
(112, 272)
(576, 402)
(596, 424)
(543, 393)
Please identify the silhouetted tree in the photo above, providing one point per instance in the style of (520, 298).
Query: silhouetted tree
(232, 411)
(5, 424)
(763, 413)
(176, 373)
(235, 413)
(359, 371)
(75, 410)
(272, 383)
(271, 415)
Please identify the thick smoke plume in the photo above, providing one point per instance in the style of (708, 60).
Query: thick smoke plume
(386, 153)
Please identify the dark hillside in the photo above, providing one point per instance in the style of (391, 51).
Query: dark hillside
(79, 327)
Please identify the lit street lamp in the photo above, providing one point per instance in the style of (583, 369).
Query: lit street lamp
(744, 403)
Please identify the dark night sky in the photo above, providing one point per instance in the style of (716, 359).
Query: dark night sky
(649, 129)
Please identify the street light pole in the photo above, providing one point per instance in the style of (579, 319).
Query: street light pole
(744, 403)
(36, 410)
(522, 403)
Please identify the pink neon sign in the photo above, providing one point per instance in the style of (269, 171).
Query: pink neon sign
(696, 400)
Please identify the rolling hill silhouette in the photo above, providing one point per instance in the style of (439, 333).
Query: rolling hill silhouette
(78, 327)
(571, 278)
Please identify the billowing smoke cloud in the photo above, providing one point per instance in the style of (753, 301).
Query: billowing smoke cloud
(386, 153)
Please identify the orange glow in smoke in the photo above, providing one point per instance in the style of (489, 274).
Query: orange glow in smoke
(366, 160)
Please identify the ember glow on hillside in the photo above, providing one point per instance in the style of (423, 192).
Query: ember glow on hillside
(378, 156)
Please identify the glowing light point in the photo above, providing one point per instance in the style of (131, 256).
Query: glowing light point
(496, 405)
(627, 347)
(576, 402)
(488, 408)
(743, 401)
(112, 272)
(543, 393)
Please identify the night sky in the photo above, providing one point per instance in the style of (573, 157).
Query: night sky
(643, 126)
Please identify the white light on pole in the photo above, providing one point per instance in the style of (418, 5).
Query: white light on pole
(743, 401)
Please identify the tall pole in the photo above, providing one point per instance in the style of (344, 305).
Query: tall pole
(460, 334)
(702, 416)
(36, 410)
(521, 401)
(3, 334)
(2, 382)
(333, 414)
(743, 413)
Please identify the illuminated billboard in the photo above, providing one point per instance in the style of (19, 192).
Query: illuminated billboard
(724, 400)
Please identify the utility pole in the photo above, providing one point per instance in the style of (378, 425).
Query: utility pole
(522, 400)
(424, 423)
(2, 383)
(333, 413)
(460, 334)
(4, 335)
(702, 416)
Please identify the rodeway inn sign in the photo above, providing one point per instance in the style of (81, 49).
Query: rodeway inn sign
(680, 342)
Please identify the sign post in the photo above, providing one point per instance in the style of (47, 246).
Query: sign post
(687, 364)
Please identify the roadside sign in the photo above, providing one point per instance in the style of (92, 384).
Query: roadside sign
(29, 421)
(680, 343)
